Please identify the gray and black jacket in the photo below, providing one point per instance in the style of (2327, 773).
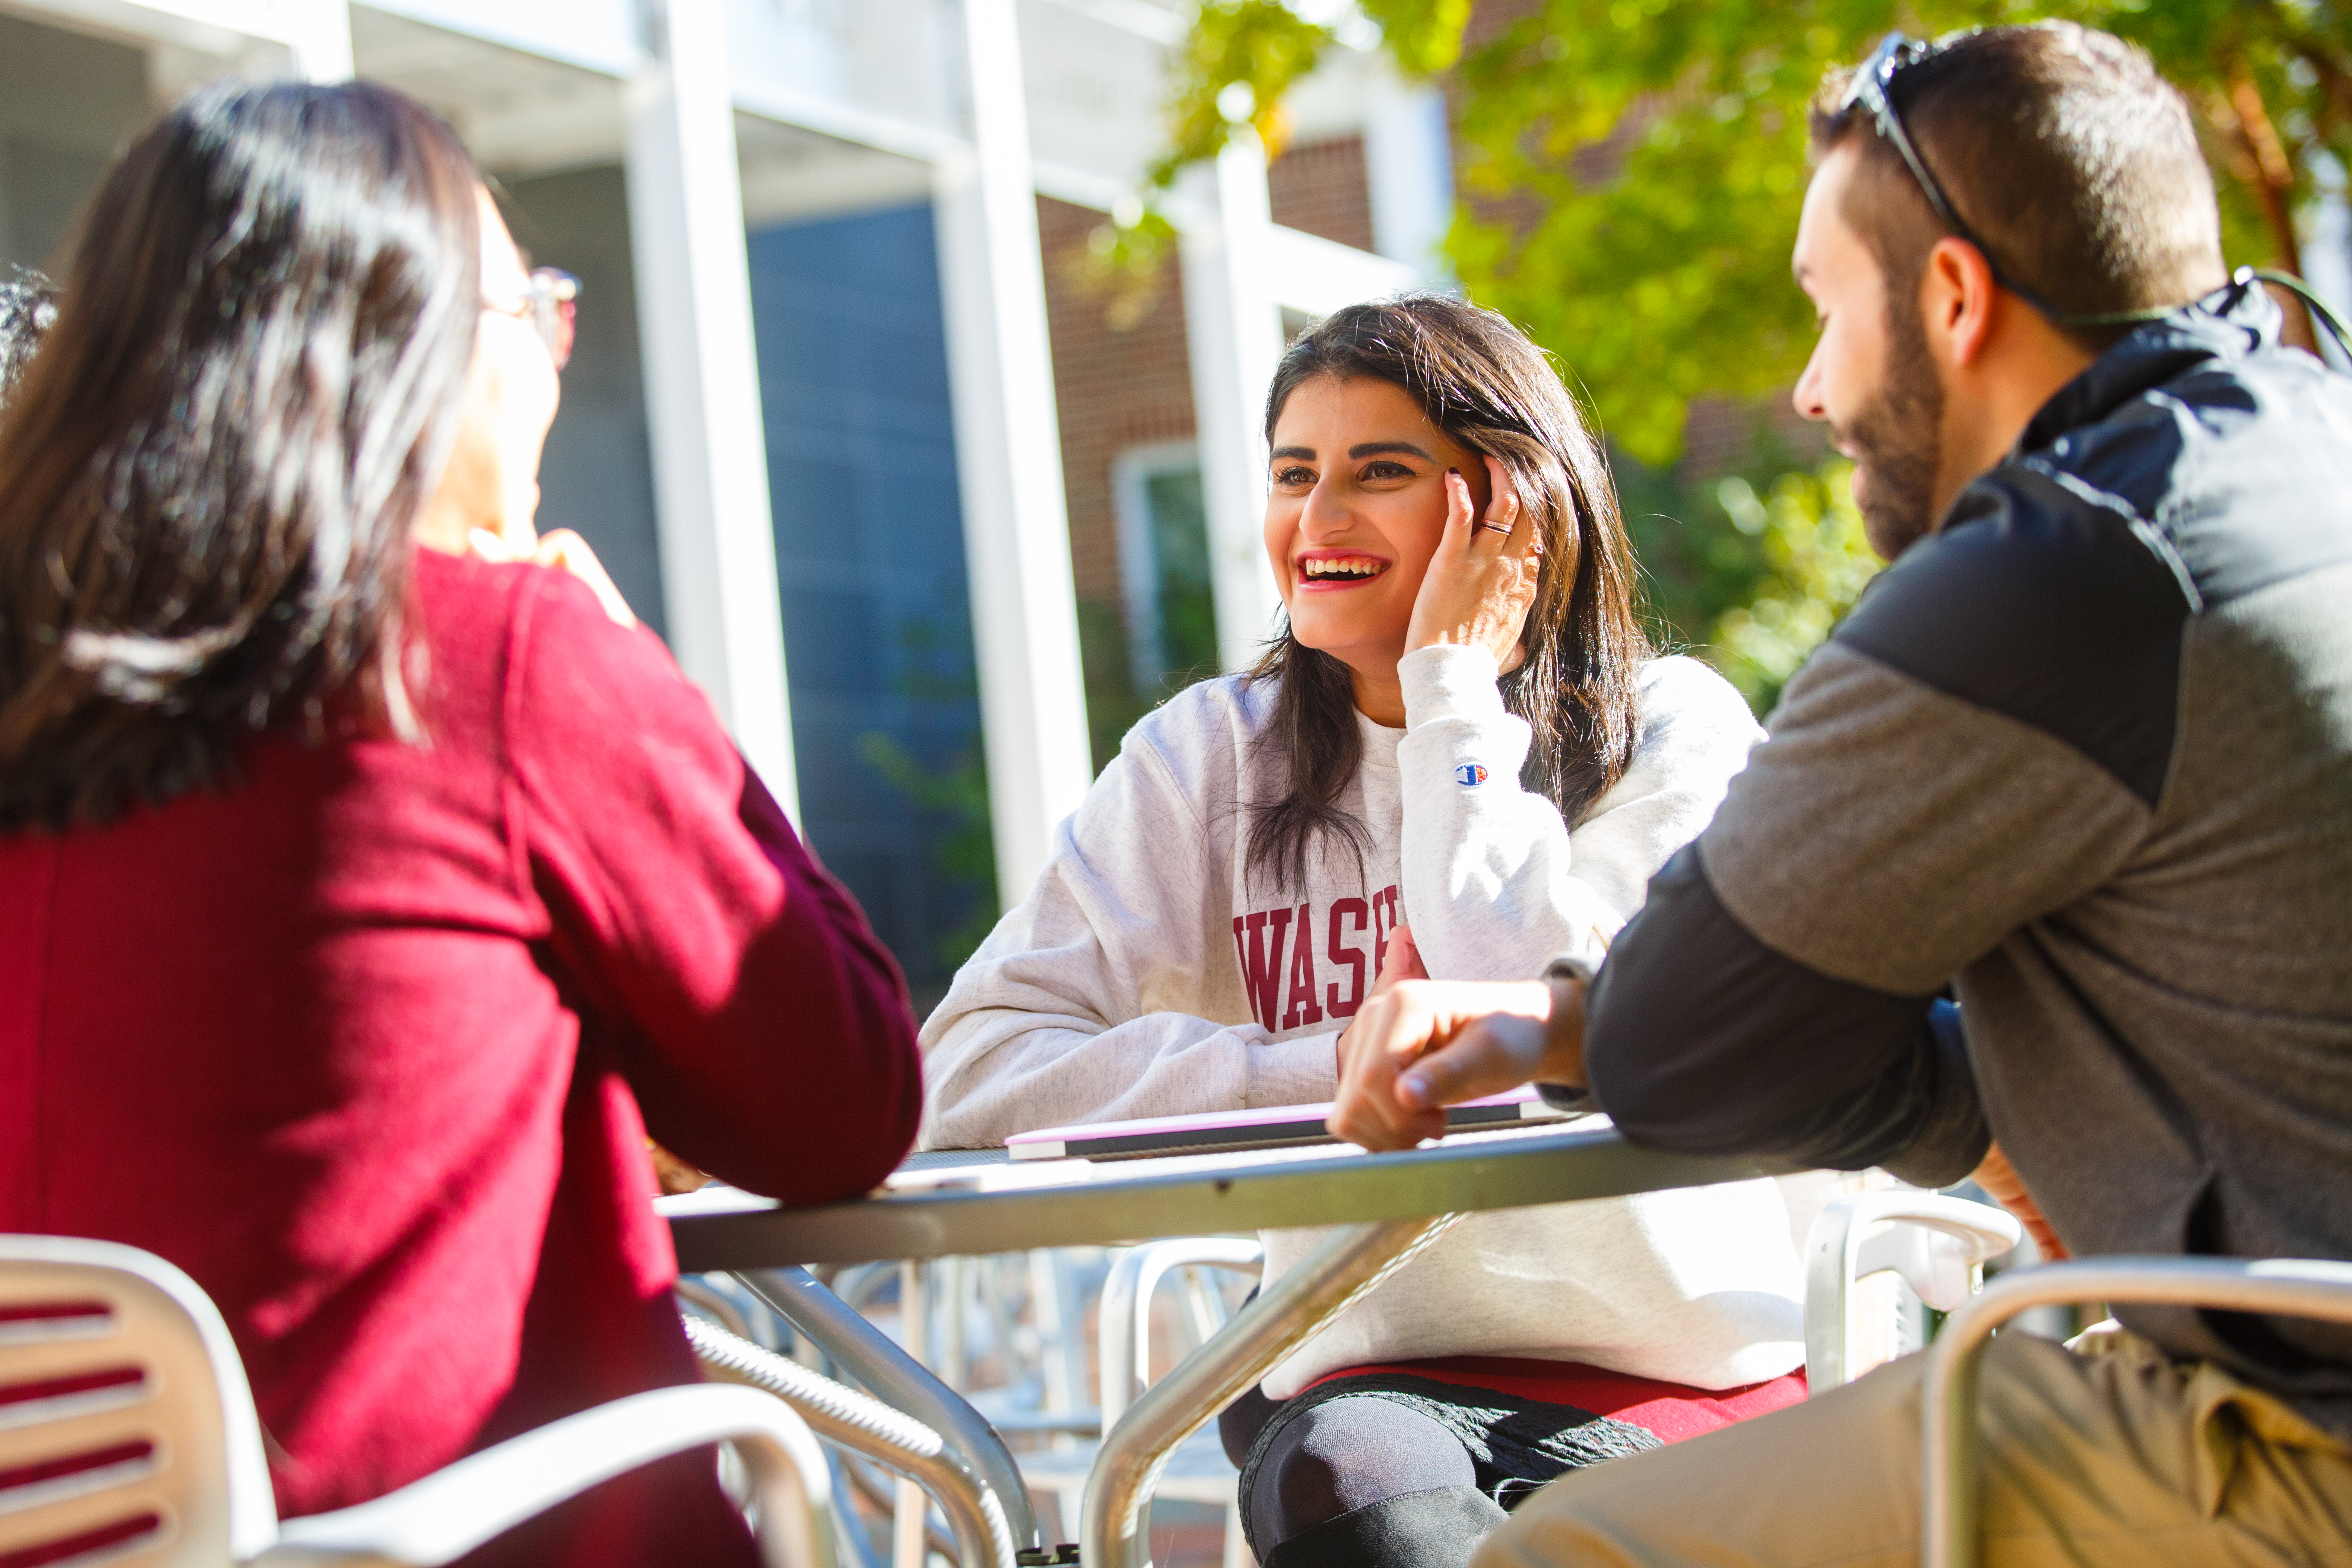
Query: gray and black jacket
(2083, 757)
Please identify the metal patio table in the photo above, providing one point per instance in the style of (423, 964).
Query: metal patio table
(1386, 1207)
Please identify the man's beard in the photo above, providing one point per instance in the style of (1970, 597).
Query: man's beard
(1896, 440)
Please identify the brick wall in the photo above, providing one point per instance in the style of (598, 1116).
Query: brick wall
(1117, 389)
(1321, 187)
(1113, 390)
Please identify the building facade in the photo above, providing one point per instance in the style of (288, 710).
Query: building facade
(930, 520)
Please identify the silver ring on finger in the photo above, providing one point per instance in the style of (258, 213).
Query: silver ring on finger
(1502, 527)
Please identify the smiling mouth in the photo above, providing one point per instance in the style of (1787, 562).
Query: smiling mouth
(1341, 569)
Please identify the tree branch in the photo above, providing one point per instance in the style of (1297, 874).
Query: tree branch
(2274, 184)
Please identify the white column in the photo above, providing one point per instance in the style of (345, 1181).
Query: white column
(1233, 328)
(258, 39)
(1409, 169)
(318, 32)
(702, 385)
(1016, 526)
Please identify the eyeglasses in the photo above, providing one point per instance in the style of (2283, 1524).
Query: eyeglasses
(550, 303)
(1868, 91)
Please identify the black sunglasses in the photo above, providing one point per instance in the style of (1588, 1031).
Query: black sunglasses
(1868, 91)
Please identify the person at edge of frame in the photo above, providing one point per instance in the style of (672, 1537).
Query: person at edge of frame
(2084, 753)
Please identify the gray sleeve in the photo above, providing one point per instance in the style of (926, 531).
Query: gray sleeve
(1778, 993)
(1767, 1056)
(1889, 834)
(1982, 744)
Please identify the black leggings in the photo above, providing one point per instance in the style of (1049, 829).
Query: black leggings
(1358, 1480)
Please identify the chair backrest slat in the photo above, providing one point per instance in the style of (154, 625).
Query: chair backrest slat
(127, 1433)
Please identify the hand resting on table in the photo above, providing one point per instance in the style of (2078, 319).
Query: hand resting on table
(1423, 1045)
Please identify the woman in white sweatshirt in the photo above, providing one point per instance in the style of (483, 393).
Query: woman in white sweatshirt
(1459, 731)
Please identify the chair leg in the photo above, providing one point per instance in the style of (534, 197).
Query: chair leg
(907, 1548)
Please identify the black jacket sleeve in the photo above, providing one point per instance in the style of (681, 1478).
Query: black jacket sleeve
(1700, 1037)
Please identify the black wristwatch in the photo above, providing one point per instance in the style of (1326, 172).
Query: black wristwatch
(1562, 974)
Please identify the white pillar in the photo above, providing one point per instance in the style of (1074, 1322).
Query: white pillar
(1016, 526)
(702, 385)
(1409, 170)
(257, 38)
(319, 35)
(1234, 329)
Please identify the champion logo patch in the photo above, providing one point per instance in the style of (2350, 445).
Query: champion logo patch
(1470, 775)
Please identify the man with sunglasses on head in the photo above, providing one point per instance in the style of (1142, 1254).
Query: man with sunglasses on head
(2083, 757)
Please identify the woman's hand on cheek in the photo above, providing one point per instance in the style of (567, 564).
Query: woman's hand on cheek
(1482, 581)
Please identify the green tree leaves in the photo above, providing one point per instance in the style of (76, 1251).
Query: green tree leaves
(1631, 172)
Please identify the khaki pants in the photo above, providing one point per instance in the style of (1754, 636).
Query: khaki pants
(2114, 1454)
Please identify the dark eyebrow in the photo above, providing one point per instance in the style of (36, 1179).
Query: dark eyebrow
(1377, 448)
(1306, 452)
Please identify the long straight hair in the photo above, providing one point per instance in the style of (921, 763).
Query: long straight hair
(1480, 381)
(209, 475)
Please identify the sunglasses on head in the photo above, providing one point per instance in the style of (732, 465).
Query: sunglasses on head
(1868, 90)
(550, 303)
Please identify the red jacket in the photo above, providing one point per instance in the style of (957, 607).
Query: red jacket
(360, 1042)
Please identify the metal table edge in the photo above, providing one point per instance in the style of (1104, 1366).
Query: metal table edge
(1500, 1174)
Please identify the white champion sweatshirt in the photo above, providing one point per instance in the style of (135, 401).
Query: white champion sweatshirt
(1147, 975)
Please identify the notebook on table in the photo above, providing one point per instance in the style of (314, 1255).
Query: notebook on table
(1225, 1132)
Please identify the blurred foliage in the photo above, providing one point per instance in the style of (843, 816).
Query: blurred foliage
(962, 847)
(1183, 642)
(1634, 167)
(1749, 569)
(1119, 268)
(949, 794)
(1633, 171)
(1816, 561)
(1424, 36)
(1235, 69)
(1113, 704)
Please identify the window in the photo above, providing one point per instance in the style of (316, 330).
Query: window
(1163, 557)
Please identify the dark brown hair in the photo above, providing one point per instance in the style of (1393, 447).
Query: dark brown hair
(209, 477)
(1479, 380)
(2063, 147)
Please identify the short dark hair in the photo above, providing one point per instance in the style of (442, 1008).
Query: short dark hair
(210, 476)
(2063, 147)
(1481, 381)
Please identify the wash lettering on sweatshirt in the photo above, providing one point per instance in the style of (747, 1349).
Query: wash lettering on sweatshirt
(1291, 991)
(1153, 972)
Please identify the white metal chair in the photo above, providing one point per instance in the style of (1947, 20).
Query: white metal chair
(1950, 1481)
(128, 1436)
(1937, 1245)
(1199, 1470)
(1127, 1307)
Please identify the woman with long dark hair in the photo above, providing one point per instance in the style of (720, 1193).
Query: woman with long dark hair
(1459, 753)
(363, 903)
